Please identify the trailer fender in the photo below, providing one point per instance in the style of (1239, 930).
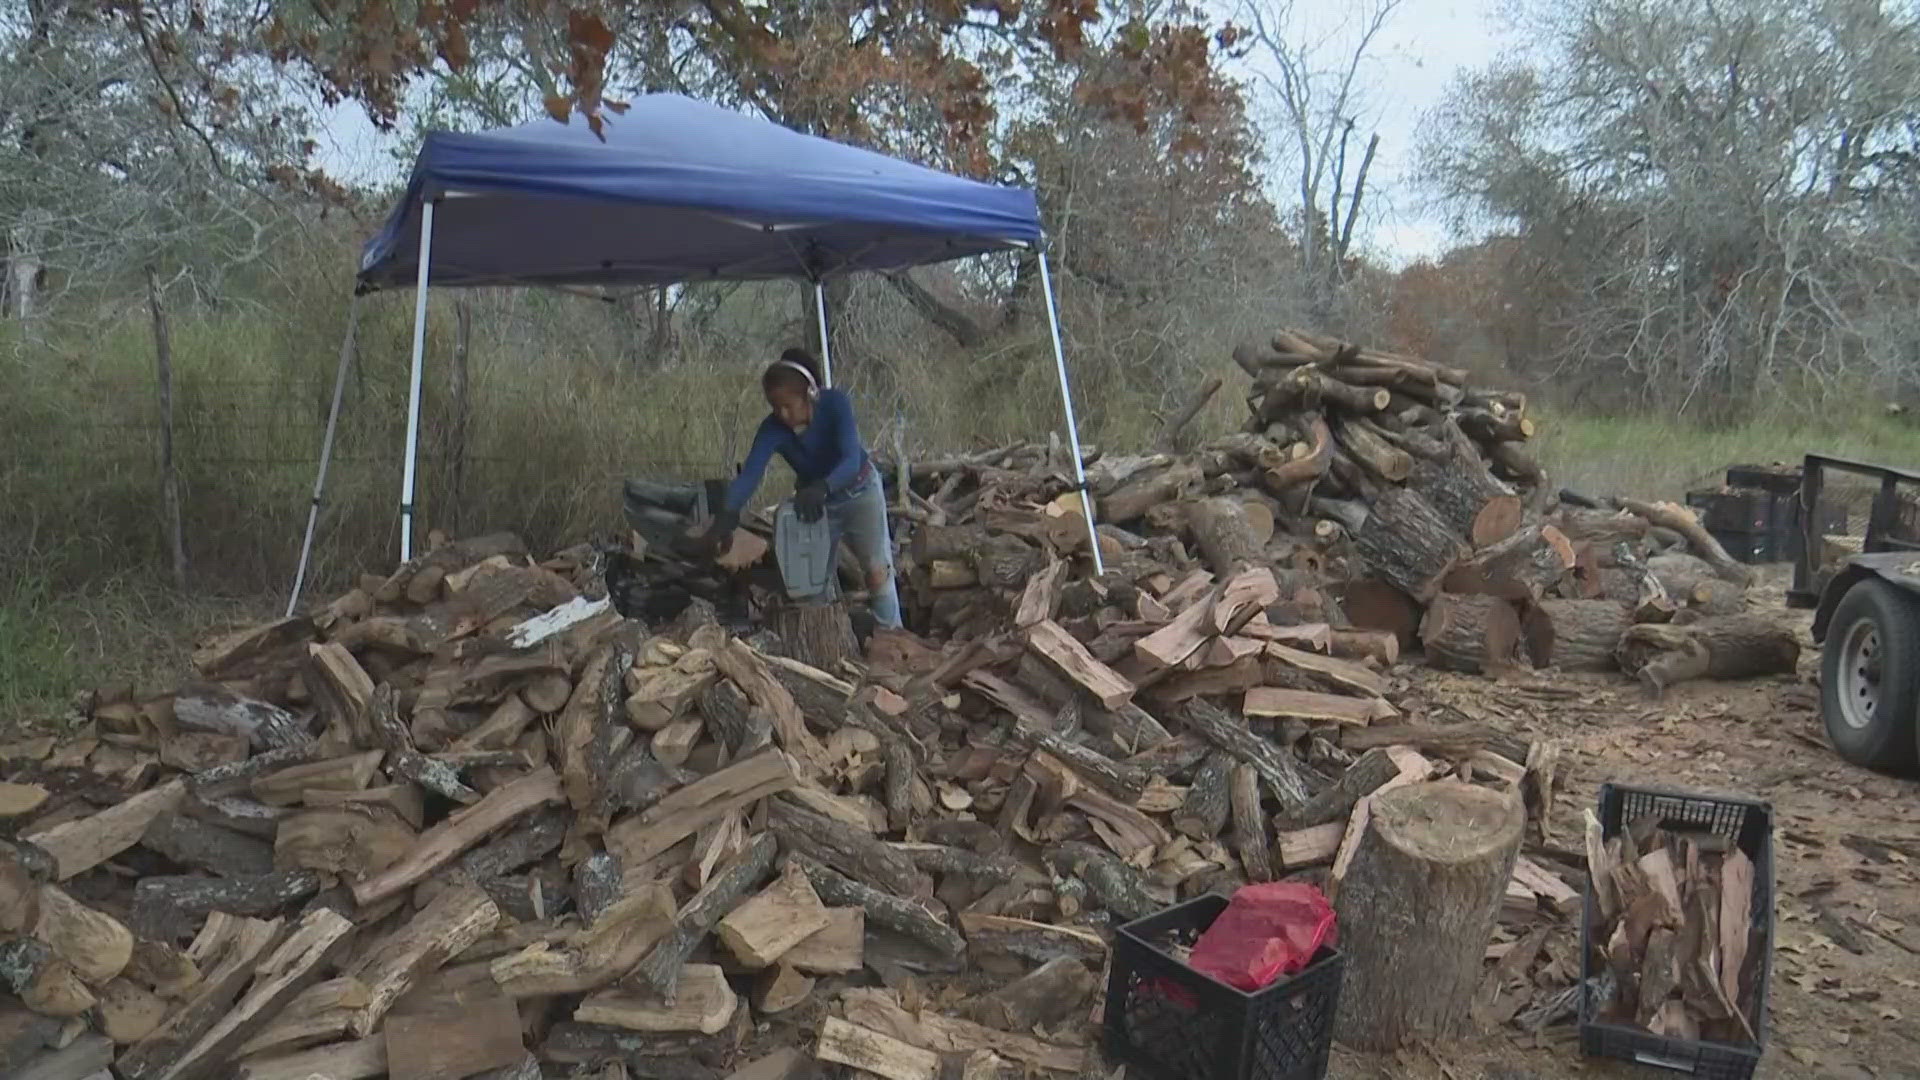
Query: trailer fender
(1900, 569)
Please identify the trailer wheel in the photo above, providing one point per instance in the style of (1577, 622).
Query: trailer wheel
(1870, 676)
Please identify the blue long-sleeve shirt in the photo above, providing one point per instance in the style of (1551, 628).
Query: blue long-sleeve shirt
(829, 449)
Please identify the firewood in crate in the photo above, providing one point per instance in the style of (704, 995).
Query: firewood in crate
(1574, 635)
(1417, 906)
(1724, 647)
(1474, 634)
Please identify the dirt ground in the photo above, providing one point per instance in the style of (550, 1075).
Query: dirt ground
(1844, 998)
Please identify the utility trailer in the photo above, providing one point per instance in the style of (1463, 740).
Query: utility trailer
(1856, 563)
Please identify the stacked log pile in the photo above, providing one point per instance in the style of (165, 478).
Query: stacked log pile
(468, 820)
(1385, 493)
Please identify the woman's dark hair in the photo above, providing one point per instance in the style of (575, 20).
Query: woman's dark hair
(779, 374)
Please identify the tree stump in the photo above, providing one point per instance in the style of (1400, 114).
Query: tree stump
(1575, 635)
(817, 634)
(1417, 908)
(1474, 634)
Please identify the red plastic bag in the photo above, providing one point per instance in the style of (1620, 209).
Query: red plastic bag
(1266, 933)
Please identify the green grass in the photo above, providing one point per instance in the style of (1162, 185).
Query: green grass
(1654, 457)
(115, 630)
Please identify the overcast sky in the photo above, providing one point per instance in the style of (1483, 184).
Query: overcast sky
(1415, 59)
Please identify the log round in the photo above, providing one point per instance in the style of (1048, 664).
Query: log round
(1575, 635)
(1372, 604)
(1417, 909)
(1474, 634)
(818, 635)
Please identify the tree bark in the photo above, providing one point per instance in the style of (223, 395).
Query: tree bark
(1474, 634)
(1405, 541)
(1249, 826)
(1668, 515)
(1381, 457)
(1142, 493)
(1468, 497)
(1692, 582)
(1726, 647)
(819, 635)
(1204, 812)
(1525, 566)
(1372, 604)
(1223, 534)
(1417, 907)
(1575, 635)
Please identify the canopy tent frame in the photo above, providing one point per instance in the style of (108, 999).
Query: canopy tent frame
(384, 253)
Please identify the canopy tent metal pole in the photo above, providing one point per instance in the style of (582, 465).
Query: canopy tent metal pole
(1073, 426)
(826, 351)
(413, 389)
(326, 452)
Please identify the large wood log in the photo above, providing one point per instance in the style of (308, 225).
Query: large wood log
(1372, 604)
(1692, 582)
(1369, 448)
(1601, 528)
(1474, 634)
(1143, 493)
(1224, 535)
(1726, 647)
(1524, 567)
(1668, 515)
(722, 893)
(817, 634)
(1467, 495)
(1406, 542)
(1417, 908)
(1575, 635)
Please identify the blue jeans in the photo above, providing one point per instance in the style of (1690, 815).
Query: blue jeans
(860, 518)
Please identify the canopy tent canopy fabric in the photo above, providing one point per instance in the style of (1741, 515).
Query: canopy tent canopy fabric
(680, 190)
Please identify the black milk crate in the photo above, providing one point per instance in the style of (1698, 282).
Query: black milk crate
(1778, 479)
(1750, 826)
(1171, 1022)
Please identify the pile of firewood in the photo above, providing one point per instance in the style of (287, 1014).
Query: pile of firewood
(1385, 494)
(469, 818)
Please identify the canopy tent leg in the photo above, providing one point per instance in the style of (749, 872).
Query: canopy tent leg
(413, 388)
(826, 351)
(326, 452)
(1073, 426)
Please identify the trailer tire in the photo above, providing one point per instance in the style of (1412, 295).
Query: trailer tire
(1870, 677)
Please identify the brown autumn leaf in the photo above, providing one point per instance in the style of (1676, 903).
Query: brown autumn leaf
(559, 107)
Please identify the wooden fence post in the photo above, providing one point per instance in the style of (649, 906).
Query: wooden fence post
(169, 478)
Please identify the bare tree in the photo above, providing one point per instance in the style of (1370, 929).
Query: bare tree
(1314, 82)
(1711, 200)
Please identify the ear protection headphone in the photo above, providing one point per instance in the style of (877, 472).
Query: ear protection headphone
(813, 388)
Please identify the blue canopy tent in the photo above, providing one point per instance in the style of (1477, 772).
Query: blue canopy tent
(678, 191)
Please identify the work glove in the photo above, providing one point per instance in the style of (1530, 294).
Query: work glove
(719, 535)
(810, 502)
